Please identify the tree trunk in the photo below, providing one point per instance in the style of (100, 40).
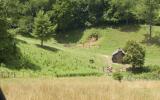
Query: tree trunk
(127, 19)
(150, 32)
(133, 67)
(42, 42)
(127, 22)
(150, 22)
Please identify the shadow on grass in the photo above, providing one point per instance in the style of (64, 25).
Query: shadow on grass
(138, 70)
(18, 61)
(27, 35)
(70, 36)
(48, 48)
(154, 41)
(2, 96)
(129, 28)
(21, 41)
(21, 63)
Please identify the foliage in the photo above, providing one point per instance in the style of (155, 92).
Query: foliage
(25, 25)
(117, 76)
(95, 11)
(120, 11)
(149, 9)
(43, 27)
(7, 44)
(69, 14)
(135, 54)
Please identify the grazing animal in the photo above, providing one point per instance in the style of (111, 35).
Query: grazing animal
(2, 97)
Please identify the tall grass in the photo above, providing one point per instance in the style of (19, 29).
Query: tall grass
(91, 88)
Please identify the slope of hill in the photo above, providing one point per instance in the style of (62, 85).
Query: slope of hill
(68, 56)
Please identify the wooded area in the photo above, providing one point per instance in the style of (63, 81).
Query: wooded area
(69, 14)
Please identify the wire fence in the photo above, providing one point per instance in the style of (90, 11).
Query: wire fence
(5, 74)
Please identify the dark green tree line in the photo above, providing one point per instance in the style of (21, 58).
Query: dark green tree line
(69, 14)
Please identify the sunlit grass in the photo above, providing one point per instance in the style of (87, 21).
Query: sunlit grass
(54, 59)
(90, 88)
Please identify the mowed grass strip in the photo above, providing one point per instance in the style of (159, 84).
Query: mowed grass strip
(89, 88)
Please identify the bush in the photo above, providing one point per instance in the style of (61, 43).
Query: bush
(117, 76)
(135, 54)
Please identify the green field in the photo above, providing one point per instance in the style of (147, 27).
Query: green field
(66, 57)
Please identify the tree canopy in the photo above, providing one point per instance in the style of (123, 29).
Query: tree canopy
(69, 14)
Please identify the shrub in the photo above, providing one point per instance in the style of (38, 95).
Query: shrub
(95, 35)
(135, 54)
(117, 76)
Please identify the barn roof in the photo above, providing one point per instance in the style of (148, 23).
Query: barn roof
(118, 50)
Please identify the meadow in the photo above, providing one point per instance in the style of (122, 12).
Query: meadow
(80, 88)
(74, 55)
(65, 49)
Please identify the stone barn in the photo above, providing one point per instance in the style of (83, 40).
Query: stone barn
(117, 56)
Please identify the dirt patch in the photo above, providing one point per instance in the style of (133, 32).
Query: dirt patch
(91, 42)
(93, 38)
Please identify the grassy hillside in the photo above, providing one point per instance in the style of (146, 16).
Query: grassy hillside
(53, 59)
(67, 55)
(114, 38)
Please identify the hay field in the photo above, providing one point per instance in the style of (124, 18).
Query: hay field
(88, 88)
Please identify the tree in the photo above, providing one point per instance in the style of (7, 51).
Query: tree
(151, 9)
(36, 5)
(11, 11)
(125, 7)
(43, 28)
(148, 10)
(135, 54)
(95, 11)
(62, 14)
(25, 25)
(7, 42)
(119, 10)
